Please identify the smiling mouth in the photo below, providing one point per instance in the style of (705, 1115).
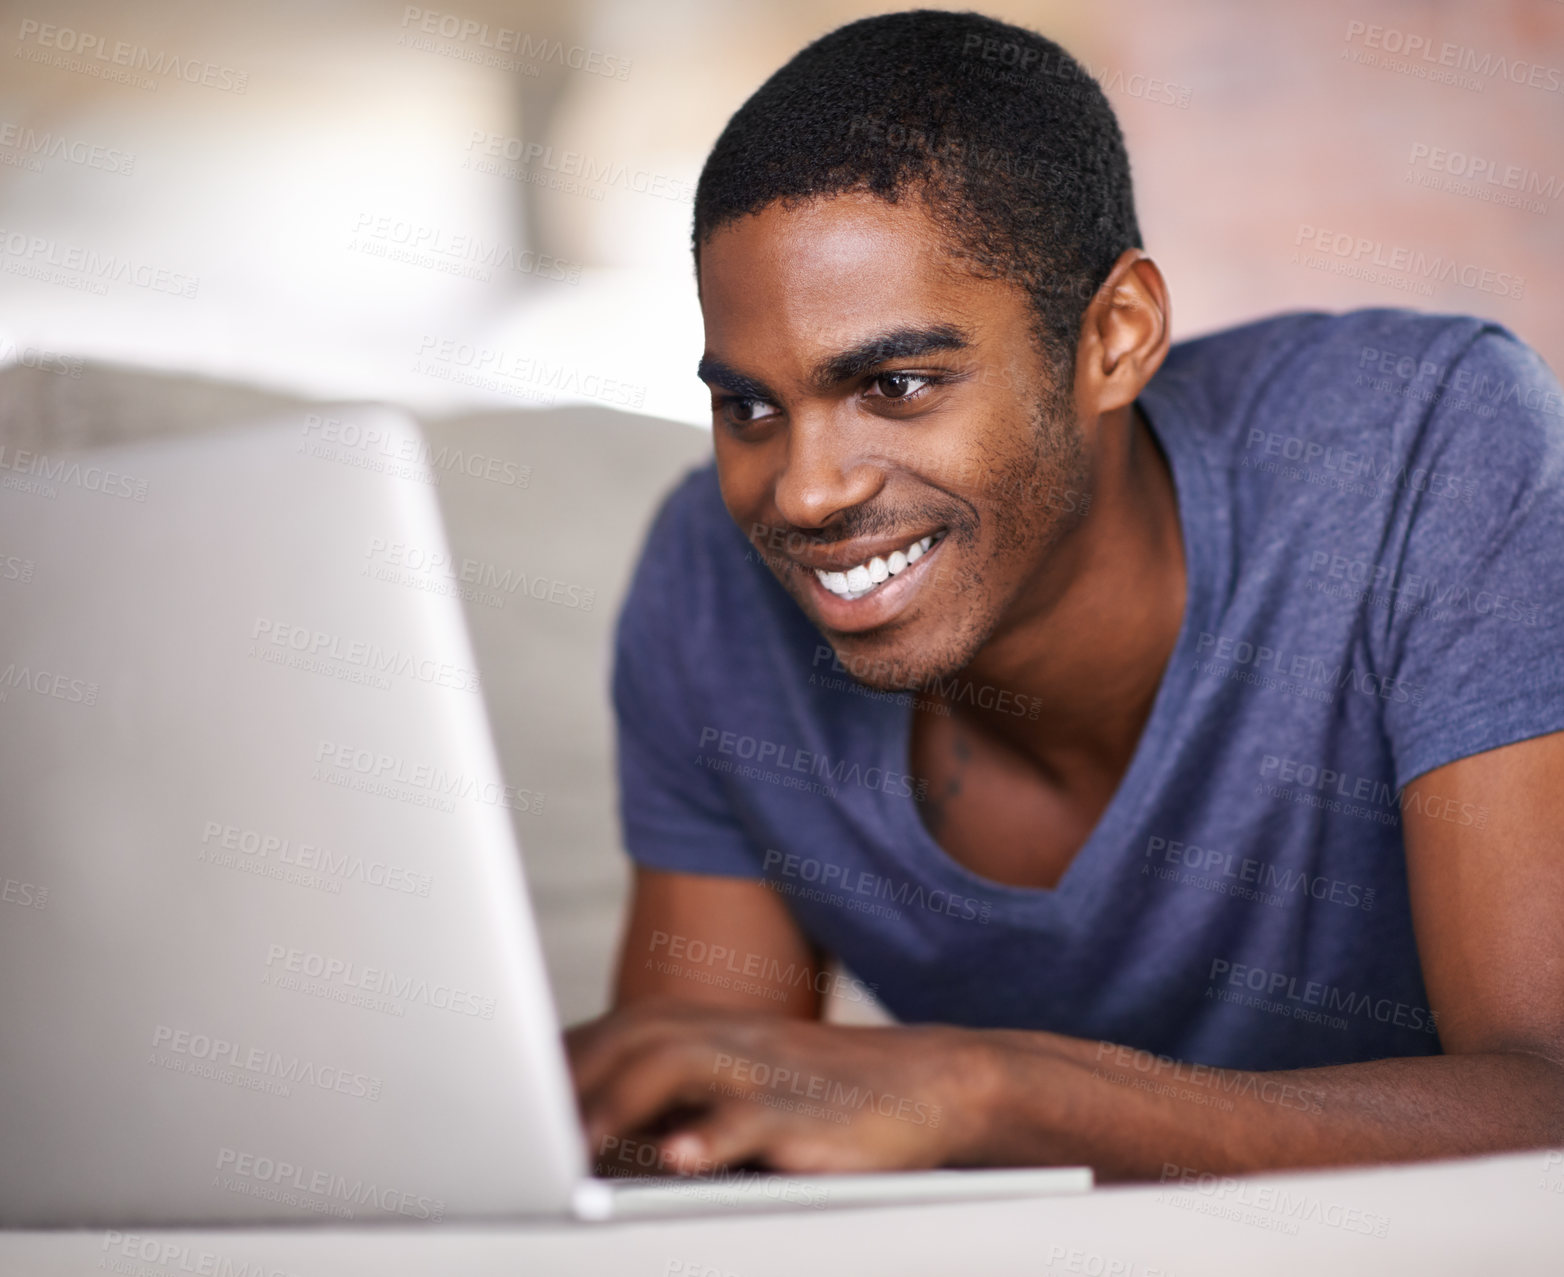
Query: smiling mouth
(864, 579)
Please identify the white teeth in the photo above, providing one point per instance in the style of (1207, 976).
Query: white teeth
(858, 581)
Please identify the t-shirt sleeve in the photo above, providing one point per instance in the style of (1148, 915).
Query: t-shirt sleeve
(1474, 642)
(674, 813)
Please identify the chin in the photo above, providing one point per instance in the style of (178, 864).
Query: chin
(908, 664)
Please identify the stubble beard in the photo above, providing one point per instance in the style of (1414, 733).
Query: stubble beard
(1036, 499)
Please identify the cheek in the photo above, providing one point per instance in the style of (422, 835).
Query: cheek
(742, 476)
(989, 455)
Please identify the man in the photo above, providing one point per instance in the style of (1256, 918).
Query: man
(1172, 738)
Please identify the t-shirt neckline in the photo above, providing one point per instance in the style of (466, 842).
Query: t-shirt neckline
(1203, 523)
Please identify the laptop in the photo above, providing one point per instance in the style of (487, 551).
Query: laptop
(267, 948)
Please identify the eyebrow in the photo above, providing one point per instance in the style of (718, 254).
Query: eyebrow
(714, 372)
(844, 366)
(899, 343)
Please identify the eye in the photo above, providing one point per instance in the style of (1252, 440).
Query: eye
(899, 386)
(742, 412)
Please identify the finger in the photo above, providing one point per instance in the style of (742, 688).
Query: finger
(743, 1130)
(599, 1048)
(581, 1038)
(732, 1133)
(649, 1082)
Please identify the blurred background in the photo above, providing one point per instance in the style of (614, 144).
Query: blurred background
(211, 210)
(329, 192)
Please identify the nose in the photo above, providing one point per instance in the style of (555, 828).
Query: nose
(822, 477)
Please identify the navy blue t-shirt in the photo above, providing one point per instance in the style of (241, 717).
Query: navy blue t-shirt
(1372, 507)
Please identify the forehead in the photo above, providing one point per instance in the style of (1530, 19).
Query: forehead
(818, 277)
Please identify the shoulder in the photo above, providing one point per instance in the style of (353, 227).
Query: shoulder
(1383, 377)
(699, 579)
(1310, 351)
(692, 509)
(689, 538)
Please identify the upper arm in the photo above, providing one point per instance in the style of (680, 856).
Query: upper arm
(1474, 715)
(722, 941)
(1468, 615)
(1485, 866)
(703, 924)
(677, 812)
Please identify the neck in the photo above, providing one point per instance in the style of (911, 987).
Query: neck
(1093, 632)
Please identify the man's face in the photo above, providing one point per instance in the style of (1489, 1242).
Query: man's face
(881, 416)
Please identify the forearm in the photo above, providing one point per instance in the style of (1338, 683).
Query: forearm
(1129, 1114)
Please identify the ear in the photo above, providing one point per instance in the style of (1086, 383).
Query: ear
(1124, 334)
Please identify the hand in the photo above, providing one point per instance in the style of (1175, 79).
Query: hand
(795, 1096)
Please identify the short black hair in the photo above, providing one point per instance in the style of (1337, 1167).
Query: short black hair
(1009, 142)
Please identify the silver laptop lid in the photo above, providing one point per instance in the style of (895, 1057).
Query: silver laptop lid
(265, 945)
